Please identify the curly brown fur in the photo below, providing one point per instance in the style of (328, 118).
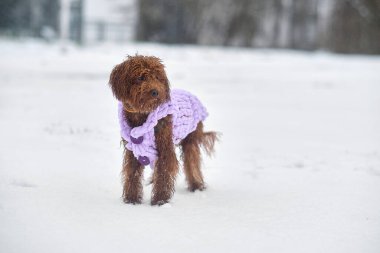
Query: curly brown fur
(140, 83)
(133, 80)
(191, 155)
(132, 176)
(166, 167)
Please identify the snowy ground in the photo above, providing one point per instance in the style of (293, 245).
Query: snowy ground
(298, 168)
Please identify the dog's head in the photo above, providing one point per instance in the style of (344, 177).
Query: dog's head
(140, 83)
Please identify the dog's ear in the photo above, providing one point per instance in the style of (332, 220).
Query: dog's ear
(118, 80)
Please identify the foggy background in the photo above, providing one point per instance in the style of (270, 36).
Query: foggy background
(343, 26)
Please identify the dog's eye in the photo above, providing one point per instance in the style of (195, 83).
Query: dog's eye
(141, 78)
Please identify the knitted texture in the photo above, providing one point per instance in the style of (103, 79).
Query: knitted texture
(186, 110)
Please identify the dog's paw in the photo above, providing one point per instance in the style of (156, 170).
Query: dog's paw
(132, 201)
(197, 186)
(159, 202)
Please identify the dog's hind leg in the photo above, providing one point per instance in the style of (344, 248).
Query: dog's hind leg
(132, 176)
(191, 157)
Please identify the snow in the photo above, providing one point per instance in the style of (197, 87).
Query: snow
(297, 170)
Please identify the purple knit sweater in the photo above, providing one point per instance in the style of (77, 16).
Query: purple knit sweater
(186, 110)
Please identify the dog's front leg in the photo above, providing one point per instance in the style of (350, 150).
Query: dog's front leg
(132, 177)
(166, 167)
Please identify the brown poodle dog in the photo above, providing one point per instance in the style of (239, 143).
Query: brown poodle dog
(141, 85)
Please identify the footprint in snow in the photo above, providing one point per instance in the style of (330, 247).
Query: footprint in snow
(21, 183)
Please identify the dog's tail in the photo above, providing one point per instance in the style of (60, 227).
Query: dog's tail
(208, 141)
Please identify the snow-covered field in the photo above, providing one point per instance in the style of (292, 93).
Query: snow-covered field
(297, 170)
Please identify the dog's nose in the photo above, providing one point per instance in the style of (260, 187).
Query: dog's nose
(154, 93)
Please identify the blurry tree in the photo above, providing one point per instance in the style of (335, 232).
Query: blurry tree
(14, 15)
(76, 20)
(355, 27)
(28, 17)
(347, 26)
(172, 21)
